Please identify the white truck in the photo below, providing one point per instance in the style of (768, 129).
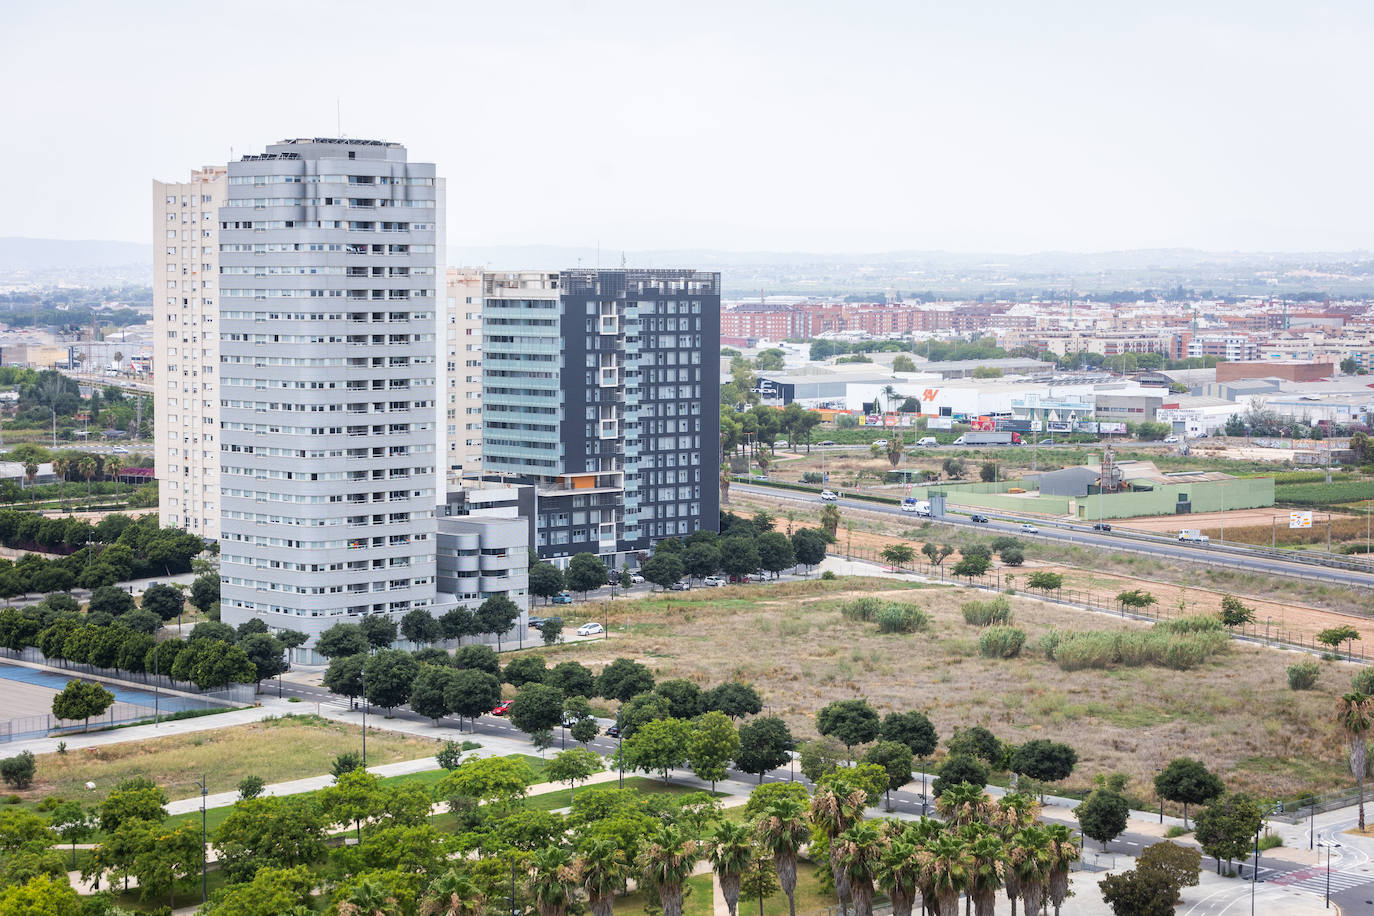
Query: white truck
(919, 506)
(1193, 536)
(927, 442)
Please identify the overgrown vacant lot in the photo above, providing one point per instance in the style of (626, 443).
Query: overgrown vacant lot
(292, 747)
(1235, 711)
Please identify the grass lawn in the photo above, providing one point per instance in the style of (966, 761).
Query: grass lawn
(187, 894)
(278, 750)
(562, 798)
(698, 900)
(810, 897)
(792, 642)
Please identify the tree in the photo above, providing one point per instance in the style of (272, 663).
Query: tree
(954, 468)
(781, 831)
(536, 707)
(429, 692)
(1045, 581)
(903, 363)
(271, 892)
(80, 700)
(457, 623)
(573, 766)
(765, 745)
(663, 569)
(379, 630)
(851, 722)
(1334, 636)
(894, 449)
(472, 692)
(1103, 815)
(546, 580)
(355, 797)
(166, 601)
(970, 566)
(957, 769)
(420, 626)
(270, 832)
(1136, 599)
(496, 615)
(342, 639)
(895, 758)
(578, 711)
(820, 757)
(344, 675)
(734, 699)
(898, 555)
(1234, 613)
(525, 669)
(1187, 782)
(775, 552)
(701, 559)
(622, 679)
(18, 771)
(483, 658)
(857, 851)
(1181, 864)
(552, 631)
(551, 884)
(987, 471)
(1139, 892)
(1354, 718)
(1044, 760)
(205, 592)
(1225, 827)
(730, 850)
(712, 744)
(936, 554)
(573, 678)
(388, 677)
(657, 746)
(602, 869)
(112, 600)
(266, 654)
(739, 556)
(586, 572)
(809, 546)
(830, 520)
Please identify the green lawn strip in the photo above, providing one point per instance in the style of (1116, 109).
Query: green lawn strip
(187, 893)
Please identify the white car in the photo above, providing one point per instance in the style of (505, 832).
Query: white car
(119, 450)
(590, 629)
(1028, 528)
(882, 442)
(636, 579)
(1170, 440)
(829, 495)
(713, 581)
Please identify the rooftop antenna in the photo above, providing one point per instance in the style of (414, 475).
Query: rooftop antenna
(622, 260)
(338, 116)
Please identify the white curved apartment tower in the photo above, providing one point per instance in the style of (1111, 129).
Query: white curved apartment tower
(330, 280)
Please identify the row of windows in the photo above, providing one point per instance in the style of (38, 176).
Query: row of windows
(385, 518)
(265, 540)
(366, 203)
(322, 179)
(353, 225)
(357, 588)
(323, 293)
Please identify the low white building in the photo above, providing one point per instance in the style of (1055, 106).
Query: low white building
(1196, 415)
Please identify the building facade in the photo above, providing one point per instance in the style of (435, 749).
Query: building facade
(599, 387)
(186, 349)
(329, 274)
(462, 336)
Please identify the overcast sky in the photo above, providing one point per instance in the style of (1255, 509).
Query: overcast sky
(829, 126)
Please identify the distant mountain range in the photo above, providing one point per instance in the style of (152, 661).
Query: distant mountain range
(48, 254)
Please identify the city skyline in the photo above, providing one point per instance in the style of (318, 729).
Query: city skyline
(1064, 128)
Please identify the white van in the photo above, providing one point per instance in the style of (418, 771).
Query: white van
(927, 442)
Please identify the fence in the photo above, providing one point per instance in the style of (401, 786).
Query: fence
(1266, 634)
(23, 728)
(232, 695)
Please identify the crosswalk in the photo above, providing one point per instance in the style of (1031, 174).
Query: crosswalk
(1314, 879)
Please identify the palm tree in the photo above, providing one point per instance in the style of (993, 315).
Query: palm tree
(858, 850)
(61, 466)
(30, 474)
(1028, 854)
(889, 395)
(897, 871)
(782, 830)
(945, 862)
(724, 483)
(963, 804)
(88, 466)
(1354, 716)
(894, 450)
(835, 807)
(369, 899)
(666, 862)
(1014, 812)
(113, 465)
(602, 870)
(451, 894)
(731, 850)
(986, 867)
(1064, 852)
(553, 881)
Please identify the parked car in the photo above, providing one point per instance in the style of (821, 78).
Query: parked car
(880, 442)
(120, 450)
(713, 581)
(1028, 528)
(590, 629)
(501, 708)
(1170, 440)
(1102, 526)
(564, 598)
(978, 518)
(637, 579)
(740, 579)
(537, 622)
(828, 442)
(829, 495)
(545, 621)
(680, 587)
(613, 731)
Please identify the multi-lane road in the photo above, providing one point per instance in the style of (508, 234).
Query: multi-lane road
(1083, 535)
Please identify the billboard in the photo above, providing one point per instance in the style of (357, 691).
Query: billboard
(1111, 428)
(983, 423)
(939, 423)
(1300, 520)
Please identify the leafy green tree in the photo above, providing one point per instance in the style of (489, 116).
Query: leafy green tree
(775, 552)
(354, 798)
(536, 707)
(657, 746)
(429, 692)
(765, 744)
(472, 692)
(898, 555)
(820, 757)
(267, 654)
(913, 729)
(739, 555)
(1045, 581)
(388, 677)
(1235, 613)
(165, 856)
(809, 546)
(72, 822)
(1103, 816)
(112, 600)
(496, 615)
(1044, 760)
(851, 722)
(379, 630)
(525, 669)
(734, 699)
(421, 627)
(578, 711)
(711, 745)
(1225, 828)
(1136, 599)
(622, 679)
(18, 771)
(217, 664)
(586, 572)
(700, 560)
(251, 787)
(81, 700)
(683, 697)
(573, 766)
(573, 678)
(987, 471)
(895, 759)
(956, 769)
(1187, 782)
(642, 708)
(495, 780)
(546, 580)
(1181, 864)
(342, 639)
(344, 675)
(954, 468)
(458, 622)
(205, 592)
(663, 569)
(552, 631)
(271, 892)
(166, 601)
(270, 832)
(1139, 892)
(483, 658)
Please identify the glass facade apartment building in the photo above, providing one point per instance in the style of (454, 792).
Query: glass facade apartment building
(601, 388)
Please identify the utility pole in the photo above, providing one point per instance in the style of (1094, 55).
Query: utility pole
(204, 874)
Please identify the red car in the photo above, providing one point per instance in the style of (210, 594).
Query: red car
(501, 708)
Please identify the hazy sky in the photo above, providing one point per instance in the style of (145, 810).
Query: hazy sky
(828, 126)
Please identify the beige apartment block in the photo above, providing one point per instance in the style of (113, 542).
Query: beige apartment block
(462, 338)
(186, 348)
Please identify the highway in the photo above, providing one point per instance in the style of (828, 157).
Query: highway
(1083, 535)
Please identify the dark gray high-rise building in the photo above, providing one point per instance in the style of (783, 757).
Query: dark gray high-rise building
(329, 252)
(601, 387)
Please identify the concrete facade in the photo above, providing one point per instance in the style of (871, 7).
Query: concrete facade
(186, 349)
(1288, 371)
(462, 337)
(481, 557)
(329, 264)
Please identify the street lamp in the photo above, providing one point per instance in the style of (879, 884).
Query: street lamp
(362, 681)
(923, 795)
(1328, 847)
(1254, 866)
(204, 878)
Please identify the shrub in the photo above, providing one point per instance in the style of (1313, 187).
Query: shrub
(1270, 841)
(1013, 556)
(251, 786)
(346, 762)
(1049, 644)
(862, 609)
(902, 618)
(1363, 682)
(828, 576)
(1199, 623)
(1174, 830)
(17, 771)
(1303, 675)
(1005, 542)
(1001, 642)
(987, 613)
(1157, 646)
(813, 477)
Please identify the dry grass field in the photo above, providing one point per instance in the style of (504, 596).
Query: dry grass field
(790, 640)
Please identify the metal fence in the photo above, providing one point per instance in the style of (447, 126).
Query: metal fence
(999, 580)
(23, 728)
(232, 695)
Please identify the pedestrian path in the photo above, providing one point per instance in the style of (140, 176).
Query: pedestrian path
(1315, 880)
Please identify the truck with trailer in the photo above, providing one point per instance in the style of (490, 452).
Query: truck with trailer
(989, 438)
(1193, 536)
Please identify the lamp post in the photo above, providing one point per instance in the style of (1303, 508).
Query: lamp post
(1328, 847)
(620, 746)
(362, 680)
(1254, 866)
(924, 800)
(1161, 798)
(204, 878)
